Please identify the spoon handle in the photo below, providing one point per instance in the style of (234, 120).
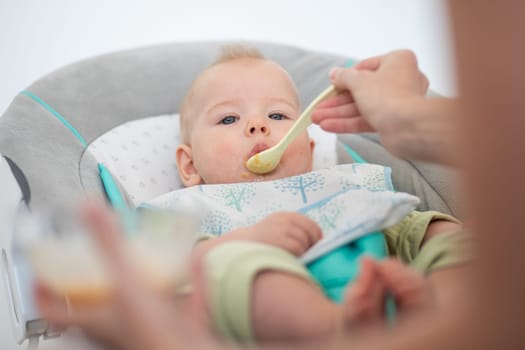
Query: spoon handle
(304, 119)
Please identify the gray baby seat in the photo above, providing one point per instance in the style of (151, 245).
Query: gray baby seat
(47, 131)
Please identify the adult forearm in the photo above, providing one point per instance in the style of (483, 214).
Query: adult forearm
(489, 45)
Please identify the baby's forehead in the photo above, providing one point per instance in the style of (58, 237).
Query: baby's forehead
(252, 71)
(244, 66)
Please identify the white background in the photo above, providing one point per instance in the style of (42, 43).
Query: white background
(38, 36)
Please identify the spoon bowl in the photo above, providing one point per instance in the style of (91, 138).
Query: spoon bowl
(266, 161)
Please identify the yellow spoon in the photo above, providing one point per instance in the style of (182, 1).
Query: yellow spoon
(266, 161)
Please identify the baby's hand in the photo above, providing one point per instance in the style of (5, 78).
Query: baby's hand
(290, 231)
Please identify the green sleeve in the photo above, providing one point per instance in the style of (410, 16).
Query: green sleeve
(443, 250)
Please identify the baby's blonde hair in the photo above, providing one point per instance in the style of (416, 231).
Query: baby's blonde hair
(228, 53)
(235, 52)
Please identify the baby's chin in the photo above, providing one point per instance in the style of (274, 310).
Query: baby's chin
(248, 176)
(278, 173)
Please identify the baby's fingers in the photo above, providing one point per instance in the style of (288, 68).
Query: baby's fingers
(298, 241)
(309, 229)
(302, 234)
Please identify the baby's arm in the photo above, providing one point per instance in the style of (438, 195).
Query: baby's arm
(434, 244)
(446, 282)
(290, 231)
(278, 295)
(439, 226)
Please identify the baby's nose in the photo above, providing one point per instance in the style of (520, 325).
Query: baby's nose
(256, 128)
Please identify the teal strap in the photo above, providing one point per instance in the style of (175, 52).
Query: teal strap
(116, 199)
(355, 156)
(349, 63)
(57, 115)
(110, 187)
(114, 195)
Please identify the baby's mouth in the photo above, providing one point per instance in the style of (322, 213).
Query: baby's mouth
(258, 148)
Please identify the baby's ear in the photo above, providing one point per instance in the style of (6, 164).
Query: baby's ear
(189, 175)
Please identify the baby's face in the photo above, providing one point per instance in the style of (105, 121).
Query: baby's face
(240, 108)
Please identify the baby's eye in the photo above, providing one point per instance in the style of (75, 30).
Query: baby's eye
(277, 116)
(228, 120)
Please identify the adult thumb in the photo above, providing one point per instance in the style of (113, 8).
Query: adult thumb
(345, 78)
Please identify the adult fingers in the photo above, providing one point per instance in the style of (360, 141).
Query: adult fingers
(108, 234)
(55, 309)
(128, 280)
(346, 125)
(371, 63)
(365, 298)
(341, 111)
(363, 281)
(344, 78)
(424, 82)
(51, 306)
(198, 302)
(105, 228)
(410, 289)
(401, 58)
(341, 98)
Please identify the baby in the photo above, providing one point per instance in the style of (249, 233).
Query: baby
(241, 105)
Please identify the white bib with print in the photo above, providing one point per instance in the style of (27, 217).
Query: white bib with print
(347, 201)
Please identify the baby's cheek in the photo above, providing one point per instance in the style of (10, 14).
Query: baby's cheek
(300, 149)
(223, 165)
(225, 154)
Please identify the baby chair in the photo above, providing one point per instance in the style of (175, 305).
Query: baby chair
(107, 127)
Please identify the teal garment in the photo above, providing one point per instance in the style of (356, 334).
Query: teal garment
(335, 270)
